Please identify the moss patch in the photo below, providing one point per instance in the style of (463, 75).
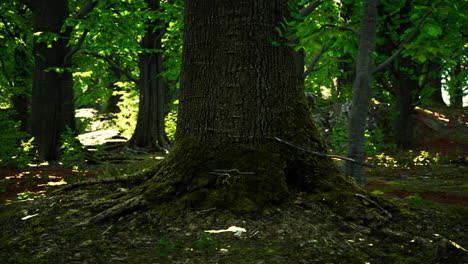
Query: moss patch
(243, 179)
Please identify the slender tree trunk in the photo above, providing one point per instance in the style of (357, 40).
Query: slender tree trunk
(238, 92)
(362, 93)
(52, 95)
(458, 86)
(434, 81)
(150, 127)
(21, 99)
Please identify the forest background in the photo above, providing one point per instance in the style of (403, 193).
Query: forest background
(86, 83)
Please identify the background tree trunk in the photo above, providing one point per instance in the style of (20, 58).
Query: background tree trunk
(406, 89)
(52, 95)
(362, 93)
(150, 128)
(458, 85)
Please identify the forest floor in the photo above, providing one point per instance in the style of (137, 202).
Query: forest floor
(421, 219)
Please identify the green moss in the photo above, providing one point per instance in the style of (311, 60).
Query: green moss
(194, 175)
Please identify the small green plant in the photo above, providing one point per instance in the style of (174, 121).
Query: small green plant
(72, 151)
(206, 243)
(25, 195)
(417, 200)
(338, 139)
(163, 248)
(385, 160)
(16, 148)
(171, 124)
(421, 158)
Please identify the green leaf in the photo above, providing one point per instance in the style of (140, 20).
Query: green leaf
(279, 31)
(275, 43)
(433, 30)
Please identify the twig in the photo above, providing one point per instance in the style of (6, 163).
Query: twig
(355, 31)
(234, 170)
(324, 155)
(374, 203)
(314, 62)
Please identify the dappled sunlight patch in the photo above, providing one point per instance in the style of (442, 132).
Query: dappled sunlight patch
(21, 184)
(439, 116)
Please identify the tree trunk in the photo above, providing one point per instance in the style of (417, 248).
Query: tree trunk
(20, 100)
(362, 93)
(405, 92)
(21, 77)
(52, 95)
(150, 127)
(458, 86)
(434, 81)
(238, 92)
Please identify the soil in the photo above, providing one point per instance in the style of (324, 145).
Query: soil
(412, 215)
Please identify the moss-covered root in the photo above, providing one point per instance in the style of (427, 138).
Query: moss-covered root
(242, 179)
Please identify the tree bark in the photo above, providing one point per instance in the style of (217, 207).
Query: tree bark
(150, 127)
(52, 95)
(238, 92)
(406, 95)
(458, 88)
(362, 93)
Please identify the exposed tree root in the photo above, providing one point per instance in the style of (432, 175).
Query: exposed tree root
(135, 179)
(128, 205)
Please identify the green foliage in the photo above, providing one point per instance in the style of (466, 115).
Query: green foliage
(163, 248)
(16, 149)
(171, 125)
(407, 159)
(421, 158)
(374, 144)
(25, 195)
(416, 200)
(338, 139)
(384, 160)
(126, 119)
(206, 243)
(73, 153)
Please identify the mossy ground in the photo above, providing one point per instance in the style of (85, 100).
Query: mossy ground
(328, 227)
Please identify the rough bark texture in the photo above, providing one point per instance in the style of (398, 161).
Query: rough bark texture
(52, 95)
(149, 131)
(238, 92)
(362, 93)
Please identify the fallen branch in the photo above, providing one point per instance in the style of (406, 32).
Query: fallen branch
(324, 155)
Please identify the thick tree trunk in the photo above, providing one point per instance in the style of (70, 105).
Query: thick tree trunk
(362, 93)
(150, 128)
(239, 92)
(52, 96)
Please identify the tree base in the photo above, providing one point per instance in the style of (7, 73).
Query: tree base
(242, 179)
